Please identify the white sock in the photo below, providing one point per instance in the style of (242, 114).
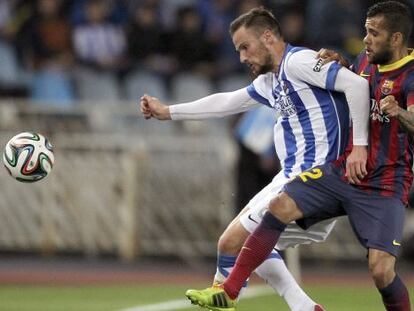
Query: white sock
(225, 264)
(274, 271)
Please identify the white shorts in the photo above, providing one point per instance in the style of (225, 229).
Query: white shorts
(293, 235)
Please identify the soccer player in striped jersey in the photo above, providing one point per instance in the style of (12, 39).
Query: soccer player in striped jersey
(376, 203)
(313, 103)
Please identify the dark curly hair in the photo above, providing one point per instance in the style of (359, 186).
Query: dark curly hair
(398, 17)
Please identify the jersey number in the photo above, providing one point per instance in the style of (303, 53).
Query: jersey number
(314, 173)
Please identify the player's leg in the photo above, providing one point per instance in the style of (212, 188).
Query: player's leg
(378, 222)
(262, 241)
(273, 270)
(392, 289)
(310, 199)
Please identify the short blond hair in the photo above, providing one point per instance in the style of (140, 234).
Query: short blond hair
(258, 18)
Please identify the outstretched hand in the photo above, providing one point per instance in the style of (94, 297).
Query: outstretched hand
(330, 55)
(152, 107)
(356, 164)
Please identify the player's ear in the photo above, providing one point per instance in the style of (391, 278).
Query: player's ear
(268, 36)
(397, 39)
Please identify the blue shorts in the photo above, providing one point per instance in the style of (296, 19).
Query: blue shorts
(377, 221)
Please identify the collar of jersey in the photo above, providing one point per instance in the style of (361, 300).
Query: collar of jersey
(288, 47)
(397, 64)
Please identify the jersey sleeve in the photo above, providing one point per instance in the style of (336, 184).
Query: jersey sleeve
(303, 65)
(259, 88)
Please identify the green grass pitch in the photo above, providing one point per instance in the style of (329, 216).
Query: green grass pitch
(114, 298)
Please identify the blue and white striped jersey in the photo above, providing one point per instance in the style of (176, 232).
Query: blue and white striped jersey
(313, 123)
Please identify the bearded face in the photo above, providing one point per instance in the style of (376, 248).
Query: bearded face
(378, 41)
(253, 51)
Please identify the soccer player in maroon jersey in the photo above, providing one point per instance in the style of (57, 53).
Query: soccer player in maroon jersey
(375, 203)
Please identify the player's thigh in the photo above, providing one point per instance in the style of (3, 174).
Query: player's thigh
(293, 235)
(318, 193)
(233, 238)
(259, 204)
(377, 221)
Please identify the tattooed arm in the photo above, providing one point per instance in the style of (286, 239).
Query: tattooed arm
(390, 107)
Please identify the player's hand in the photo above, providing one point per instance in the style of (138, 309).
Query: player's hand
(330, 55)
(356, 164)
(151, 107)
(389, 106)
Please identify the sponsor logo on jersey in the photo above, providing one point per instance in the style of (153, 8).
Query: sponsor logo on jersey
(387, 87)
(318, 65)
(286, 107)
(376, 113)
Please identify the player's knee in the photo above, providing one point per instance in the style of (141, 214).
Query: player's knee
(382, 272)
(229, 244)
(284, 208)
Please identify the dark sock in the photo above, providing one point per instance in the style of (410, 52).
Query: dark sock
(395, 296)
(255, 250)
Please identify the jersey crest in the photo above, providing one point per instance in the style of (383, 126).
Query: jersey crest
(387, 87)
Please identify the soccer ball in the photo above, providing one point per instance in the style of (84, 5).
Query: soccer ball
(28, 157)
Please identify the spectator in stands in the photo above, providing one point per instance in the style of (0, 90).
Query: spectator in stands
(13, 14)
(147, 41)
(117, 11)
(216, 16)
(189, 46)
(6, 16)
(45, 45)
(46, 37)
(99, 43)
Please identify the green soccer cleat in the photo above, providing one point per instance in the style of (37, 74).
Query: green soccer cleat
(212, 298)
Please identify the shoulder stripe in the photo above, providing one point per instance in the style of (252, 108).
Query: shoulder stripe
(331, 76)
(256, 96)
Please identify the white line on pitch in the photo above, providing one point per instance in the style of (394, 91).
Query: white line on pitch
(179, 304)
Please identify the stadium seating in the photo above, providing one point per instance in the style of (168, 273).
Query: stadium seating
(9, 73)
(233, 82)
(188, 87)
(140, 82)
(96, 86)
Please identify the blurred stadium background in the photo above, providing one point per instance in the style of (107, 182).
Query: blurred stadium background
(129, 195)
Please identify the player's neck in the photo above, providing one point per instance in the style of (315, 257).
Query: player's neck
(279, 49)
(398, 55)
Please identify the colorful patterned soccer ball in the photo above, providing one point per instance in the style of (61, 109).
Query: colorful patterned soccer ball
(28, 157)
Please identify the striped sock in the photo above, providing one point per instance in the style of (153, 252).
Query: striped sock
(256, 249)
(395, 296)
(225, 264)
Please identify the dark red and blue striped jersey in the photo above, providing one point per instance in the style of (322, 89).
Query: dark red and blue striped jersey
(390, 149)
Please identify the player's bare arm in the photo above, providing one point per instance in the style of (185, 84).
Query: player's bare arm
(390, 107)
(152, 107)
